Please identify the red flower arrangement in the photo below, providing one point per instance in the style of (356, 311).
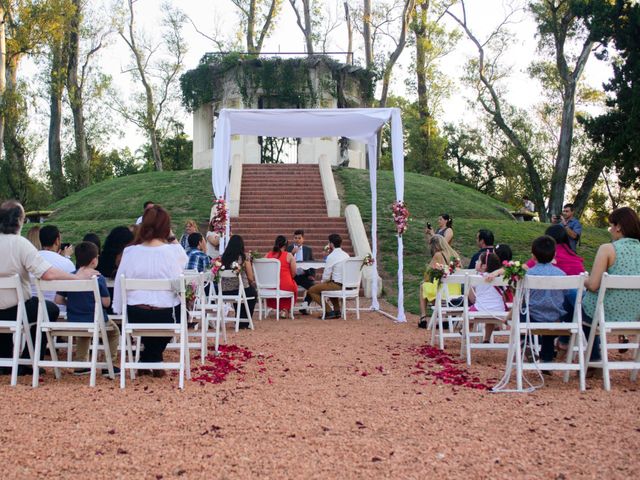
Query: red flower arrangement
(219, 219)
(513, 272)
(400, 216)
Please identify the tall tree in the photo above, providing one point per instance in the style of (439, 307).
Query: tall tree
(305, 20)
(29, 26)
(485, 70)
(558, 25)
(258, 17)
(158, 77)
(366, 34)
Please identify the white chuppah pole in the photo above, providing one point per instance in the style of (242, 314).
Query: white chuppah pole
(397, 155)
(220, 166)
(372, 146)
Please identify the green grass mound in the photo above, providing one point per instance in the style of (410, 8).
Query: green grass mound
(99, 208)
(427, 198)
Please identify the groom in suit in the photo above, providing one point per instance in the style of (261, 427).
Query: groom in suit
(302, 253)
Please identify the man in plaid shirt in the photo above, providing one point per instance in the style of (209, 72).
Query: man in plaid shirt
(197, 259)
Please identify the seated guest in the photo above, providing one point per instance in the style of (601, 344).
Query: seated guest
(504, 252)
(21, 258)
(287, 271)
(488, 298)
(189, 227)
(445, 228)
(234, 252)
(620, 257)
(331, 277)
(527, 205)
(302, 253)
(147, 205)
(81, 306)
(547, 305)
(154, 254)
(196, 258)
(51, 242)
(213, 243)
(93, 238)
(566, 259)
(114, 245)
(34, 237)
(484, 239)
(441, 253)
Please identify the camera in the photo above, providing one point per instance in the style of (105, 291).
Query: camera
(429, 225)
(65, 245)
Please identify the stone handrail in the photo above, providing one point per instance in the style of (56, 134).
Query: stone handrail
(361, 246)
(329, 187)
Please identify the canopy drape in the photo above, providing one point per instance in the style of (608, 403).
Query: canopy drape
(360, 124)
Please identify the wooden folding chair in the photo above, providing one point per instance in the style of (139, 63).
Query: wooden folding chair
(96, 330)
(130, 330)
(18, 327)
(604, 326)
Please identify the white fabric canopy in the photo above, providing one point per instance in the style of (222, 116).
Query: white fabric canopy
(361, 124)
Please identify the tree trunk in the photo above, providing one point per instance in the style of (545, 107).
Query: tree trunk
(15, 164)
(588, 182)
(347, 16)
(409, 6)
(74, 88)
(56, 89)
(3, 74)
(366, 34)
(420, 30)
(306, 29)
(251, 27)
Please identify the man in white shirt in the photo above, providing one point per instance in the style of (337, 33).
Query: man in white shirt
(147, 205)
(332, 275)
(51, 241)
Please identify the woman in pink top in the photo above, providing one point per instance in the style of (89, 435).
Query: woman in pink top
(566, 259)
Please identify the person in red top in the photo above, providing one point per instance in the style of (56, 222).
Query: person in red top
(287, 272)
(566, 259)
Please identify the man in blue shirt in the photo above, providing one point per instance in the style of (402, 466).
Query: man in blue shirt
(571, 225)
(484, 239)
(196, 258)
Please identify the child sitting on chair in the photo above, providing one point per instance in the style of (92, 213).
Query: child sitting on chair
(488, 298)
(546, 305)
(81, 305)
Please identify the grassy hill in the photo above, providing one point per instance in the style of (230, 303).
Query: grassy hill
(188, 194)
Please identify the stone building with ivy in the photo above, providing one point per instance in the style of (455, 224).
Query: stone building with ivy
(242, 81)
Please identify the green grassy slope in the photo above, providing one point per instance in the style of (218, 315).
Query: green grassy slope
(427, 198)
(100, 207)
(187, 194)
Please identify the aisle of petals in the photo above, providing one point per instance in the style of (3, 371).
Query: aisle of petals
(230, 359)
(440, 366)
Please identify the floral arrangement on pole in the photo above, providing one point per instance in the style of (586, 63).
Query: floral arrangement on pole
(219, 219)
(190, 294)
(253, 255)
(367, 261)
(513, 272)
(400, 216)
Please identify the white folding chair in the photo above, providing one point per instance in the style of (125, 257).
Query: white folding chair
(445, 309)
(96, 330)
(18, 327)
(267, 272)
(351, 276)
(479, 318)
(176, 329)
(573, 329)
(605, 326)
(226, 302)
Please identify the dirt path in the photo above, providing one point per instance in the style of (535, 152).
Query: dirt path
(334, 399)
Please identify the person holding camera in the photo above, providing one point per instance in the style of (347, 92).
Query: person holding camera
(571, 225)
(445, 228)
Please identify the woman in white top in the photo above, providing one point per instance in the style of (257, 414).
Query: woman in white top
(154, 254)
(213, 243)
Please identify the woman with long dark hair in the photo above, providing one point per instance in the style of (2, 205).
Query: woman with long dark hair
(234, 252)
(287, 272)
(154, 254)
(445, 228)
(111, 254)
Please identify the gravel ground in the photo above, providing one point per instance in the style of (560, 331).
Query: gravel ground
(332, 399)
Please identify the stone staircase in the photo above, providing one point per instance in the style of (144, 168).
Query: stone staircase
(277, 199)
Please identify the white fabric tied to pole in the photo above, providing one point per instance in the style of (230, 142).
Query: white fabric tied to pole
(360, 124)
